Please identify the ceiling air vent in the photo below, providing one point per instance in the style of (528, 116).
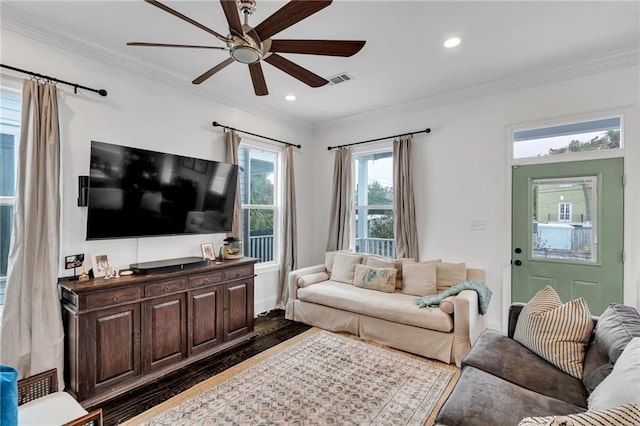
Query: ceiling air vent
(340, 78)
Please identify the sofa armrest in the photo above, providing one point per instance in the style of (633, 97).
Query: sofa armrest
(468, 323)
(292, 284)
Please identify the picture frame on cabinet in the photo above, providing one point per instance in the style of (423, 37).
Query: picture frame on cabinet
(100, 265)
(208, 251)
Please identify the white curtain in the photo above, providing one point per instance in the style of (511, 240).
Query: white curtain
(289, 229)
(233, 144)
(341, 202)
(406, 233)
(32, 331)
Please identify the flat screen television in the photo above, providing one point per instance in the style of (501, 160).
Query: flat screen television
(135, 192)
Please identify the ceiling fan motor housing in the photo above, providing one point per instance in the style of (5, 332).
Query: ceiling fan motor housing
(247, 7)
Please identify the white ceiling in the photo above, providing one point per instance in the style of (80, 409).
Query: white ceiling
(403, 60)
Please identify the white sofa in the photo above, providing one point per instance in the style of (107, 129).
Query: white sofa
(321, 298)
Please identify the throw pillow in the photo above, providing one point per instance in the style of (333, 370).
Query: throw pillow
(617, 325)
(386, 262)
(329, 257)
(309, 279)
(8, 395)
(623, 384)
(557, 332)
(344, 266)
(380, 279)
(448, 274)
(625, 415)
(419, 279)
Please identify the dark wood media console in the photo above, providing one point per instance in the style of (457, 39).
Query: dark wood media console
(123, 332)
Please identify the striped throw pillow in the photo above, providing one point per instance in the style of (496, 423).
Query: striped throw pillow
(557, 332)
(625, 415)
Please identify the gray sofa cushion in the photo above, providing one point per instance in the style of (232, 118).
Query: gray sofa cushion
(507, 359)
(615, 328)
(479, 398)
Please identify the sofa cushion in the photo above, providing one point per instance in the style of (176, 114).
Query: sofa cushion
(309, 279)
(396, 307)
(419, 279)
(557, 332)
(329, 258)
(617, 325)
(622, 386)
(503, 357)
(480, 398)
(448, 274)
(625, 415)
(379, 279)
(344, 266)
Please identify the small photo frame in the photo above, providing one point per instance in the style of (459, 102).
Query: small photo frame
(207, 251)
(100, 264)
(73, 261)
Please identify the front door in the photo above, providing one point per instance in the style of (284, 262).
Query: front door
(567, 231)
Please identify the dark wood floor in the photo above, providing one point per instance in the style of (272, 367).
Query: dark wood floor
(271, 329)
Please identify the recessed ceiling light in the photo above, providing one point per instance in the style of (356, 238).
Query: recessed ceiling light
(452, 42)
(290, 97)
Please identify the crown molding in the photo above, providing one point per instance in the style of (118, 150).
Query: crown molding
(619, 59)
(29, 26)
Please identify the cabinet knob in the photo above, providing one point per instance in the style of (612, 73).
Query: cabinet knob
(165, 289)
(237, 274)
(115, 299)
(205, 281)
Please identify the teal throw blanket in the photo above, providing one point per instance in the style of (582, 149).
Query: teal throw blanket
(484, 295)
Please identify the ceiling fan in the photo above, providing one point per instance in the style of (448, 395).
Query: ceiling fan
(252, 45)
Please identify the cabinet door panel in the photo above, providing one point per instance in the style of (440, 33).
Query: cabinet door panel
(205, 319)
(238, 309)
(165, 329)
(117, 344)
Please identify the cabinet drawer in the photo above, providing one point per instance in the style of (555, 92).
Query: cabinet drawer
(205, 279)
(122, 295)
(235, 273)
(165, 287)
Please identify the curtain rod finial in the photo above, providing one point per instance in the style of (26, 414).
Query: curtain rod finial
(102, 92)
(427, 130)
(215, 124)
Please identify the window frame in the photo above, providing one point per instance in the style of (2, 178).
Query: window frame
(373, 149)
(277, 199)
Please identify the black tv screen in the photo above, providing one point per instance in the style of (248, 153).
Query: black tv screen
(135, 192)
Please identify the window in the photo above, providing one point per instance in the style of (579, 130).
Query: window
(10, 111)
(564, 212)
(595, 135)
(373, 213)
(259, 189)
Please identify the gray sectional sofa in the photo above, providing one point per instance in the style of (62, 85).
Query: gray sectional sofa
(503, 382)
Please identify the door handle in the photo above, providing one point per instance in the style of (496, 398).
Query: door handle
(517, 262)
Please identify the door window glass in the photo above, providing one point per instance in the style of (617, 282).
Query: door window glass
(564, 219)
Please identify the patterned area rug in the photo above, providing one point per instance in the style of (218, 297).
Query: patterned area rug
(316, 378)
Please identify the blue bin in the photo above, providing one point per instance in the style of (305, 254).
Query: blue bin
(8, 396)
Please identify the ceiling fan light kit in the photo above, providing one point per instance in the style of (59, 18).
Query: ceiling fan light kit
(252, 45)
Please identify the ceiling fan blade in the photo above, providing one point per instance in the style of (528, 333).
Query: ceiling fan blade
(138, 43)
(187, 19)
(296, 71)
(230, 8)
(257, 77)
(289, 14)
(212, 71)
(318, 47)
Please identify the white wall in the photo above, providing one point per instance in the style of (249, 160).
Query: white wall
(142, 113)
(462, 169)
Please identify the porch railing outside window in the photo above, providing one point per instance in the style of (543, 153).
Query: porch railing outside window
(380, 246)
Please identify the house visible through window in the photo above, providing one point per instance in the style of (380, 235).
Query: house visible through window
(10, 107)
(373, 213)
(259, 189)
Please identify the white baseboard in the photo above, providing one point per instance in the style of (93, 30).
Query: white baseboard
(264, 305)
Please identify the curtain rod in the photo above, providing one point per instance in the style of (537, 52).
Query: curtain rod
(427, 130)
(216, 124)
(76, 86)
